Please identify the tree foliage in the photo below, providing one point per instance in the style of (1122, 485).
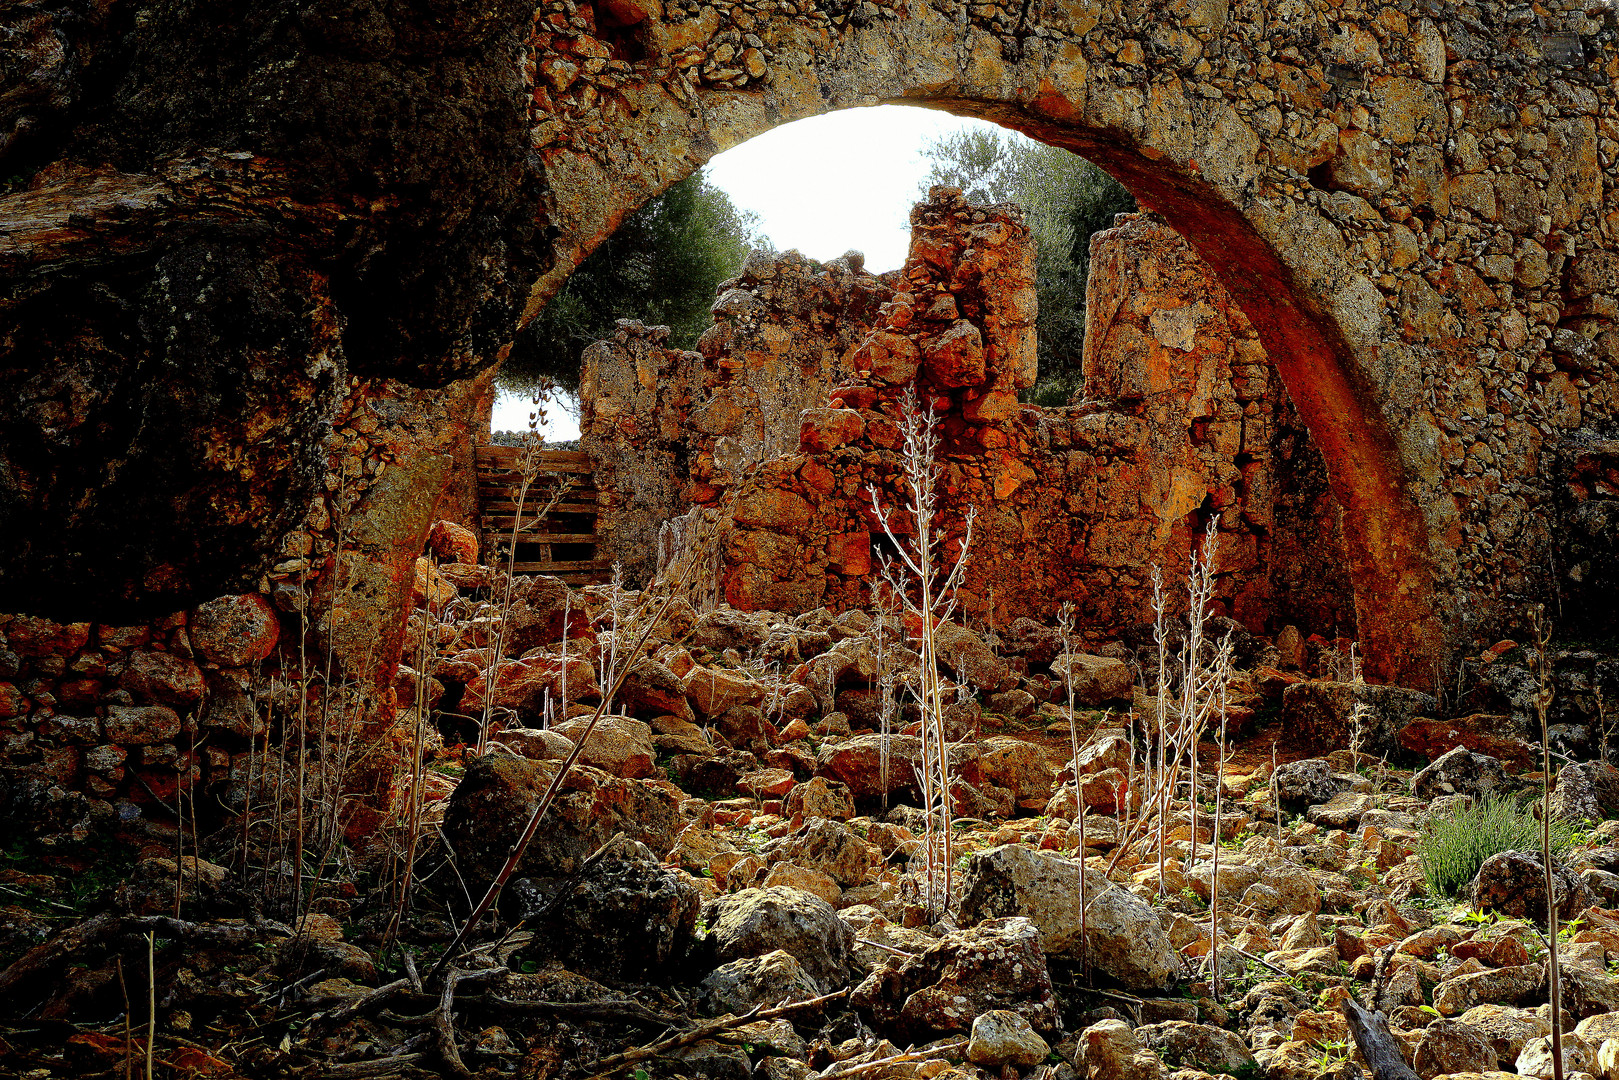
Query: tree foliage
(1065, 199)
(661, 266)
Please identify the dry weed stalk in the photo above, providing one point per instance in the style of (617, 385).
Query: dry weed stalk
(1543, 702)
(933, 601)
(1065, 628)
(882, 608)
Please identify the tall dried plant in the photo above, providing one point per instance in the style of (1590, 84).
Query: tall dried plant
(1065, 629)
(882, 605)
(1541, 661)
(927, 590)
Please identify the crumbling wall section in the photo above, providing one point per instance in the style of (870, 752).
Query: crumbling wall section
(667, 429)
(1076, 503)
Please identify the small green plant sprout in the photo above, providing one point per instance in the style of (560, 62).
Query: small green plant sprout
(1479, 918)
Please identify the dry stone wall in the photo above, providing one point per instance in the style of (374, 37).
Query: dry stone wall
(668, 430)
(1073, 504)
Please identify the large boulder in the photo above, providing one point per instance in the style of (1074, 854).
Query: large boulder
(625, 919)
(1110, 1051)
(1317, 714)
(1125, 938)
(235, 631)
(828, 846)
(1095, 679)
(1480, 733)
(1017, 765)
(1201, 1046)
(1302, 784)
(754, 922)
(995, 965)
(775, 977)
(1461, 772)
(1453, 1046)
(1003, 1038)
(1588, 791)
(856, 763)
(617, 745)
(1514, 883)
(496, 797)
(970, 660)
(1505, 1028)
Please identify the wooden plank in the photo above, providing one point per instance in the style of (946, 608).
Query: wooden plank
(506, 454)
(580, 566)
(529, 536)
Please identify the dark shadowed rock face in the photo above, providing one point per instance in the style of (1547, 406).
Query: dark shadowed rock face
(244, 208)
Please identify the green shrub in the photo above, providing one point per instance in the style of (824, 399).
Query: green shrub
(1453, 848)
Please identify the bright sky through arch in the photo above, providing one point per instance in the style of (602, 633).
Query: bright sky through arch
(824, 185)
(845, 180)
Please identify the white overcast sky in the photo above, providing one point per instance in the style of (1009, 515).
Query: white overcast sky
(826, 185)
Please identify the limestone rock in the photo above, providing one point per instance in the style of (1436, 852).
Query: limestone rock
(828, 846)
(1587, 791)
(758, 980)
(1536, 1058)
(820, 797)
(1483, 734)
(995, 965)
(1452, 1046)
(1001, 1037)
(1302, 784)
(1203, 1046)
(754, 922)
(1096, 679)
(497, 795)
(1125, 937)
(1503, 986)
(235, 631)
(1505, 1028)
(1514, 883)
(1461, 772)
(855, 764)
(618, 745)
(1017, 765)
(623, 919)
(1110, 1051)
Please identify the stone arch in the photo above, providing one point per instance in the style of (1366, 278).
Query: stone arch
(1199, 164)
(229, 232)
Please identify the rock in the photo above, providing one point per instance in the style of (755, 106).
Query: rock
(525, 685)
(452, 543)
(617, 745)
(855, 764)
(1461, 772)
(1001, 1037)
(705, 1058)
(1125, 937)
(969, 659)
(1451, 1046)
(163, 678)
(1480, 733)
(1503, 986)
(141, 725)
(1202, 1046)
(715, 691)
(820, 797)
(828, 846)
(1110, 1051)
(1316, 714)
(1587, 991)
(1588, 791)
(775, 977)
(1311, 782)
(727, 628)
(542, 611)
(1342, 811)
(1536, 1058)
(1506, 1029)
(814, 882)
(1514, 883)
(625, 920)
(539, 744)
(1594, 1029)
(1096, 679)
(651, 689)
(995, 965)
(235, 631)
(754, 922)
(1017, 765)
(497, 795)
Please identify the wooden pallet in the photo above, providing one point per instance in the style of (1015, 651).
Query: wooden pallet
(550, 540)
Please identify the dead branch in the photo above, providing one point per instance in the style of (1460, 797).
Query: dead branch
(1371, 1033)
(605, 1067)
(911, 1055)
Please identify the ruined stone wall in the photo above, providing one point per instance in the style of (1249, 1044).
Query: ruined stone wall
(140, 713)
(1074, 503)
(212, 224)
(667, 430)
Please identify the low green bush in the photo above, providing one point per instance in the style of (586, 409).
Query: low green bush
(1453, 848)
